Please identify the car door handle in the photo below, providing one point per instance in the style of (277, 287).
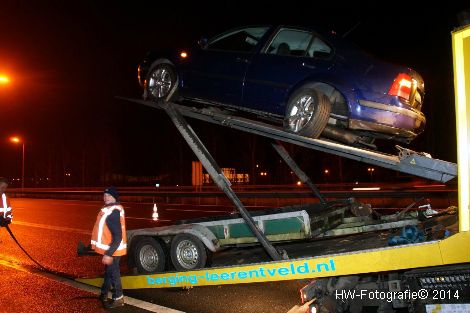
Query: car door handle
(241, 60)
(308, 65)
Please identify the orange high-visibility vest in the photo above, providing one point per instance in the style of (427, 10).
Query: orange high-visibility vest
(101, 237)
(6, 209)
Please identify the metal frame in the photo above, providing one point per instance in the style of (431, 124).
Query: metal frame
(418, 164)
(296, 169)
(216, 174)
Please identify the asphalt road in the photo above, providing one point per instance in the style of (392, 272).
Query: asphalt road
(50, 230)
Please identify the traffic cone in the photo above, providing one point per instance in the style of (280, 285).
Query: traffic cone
(155, 212)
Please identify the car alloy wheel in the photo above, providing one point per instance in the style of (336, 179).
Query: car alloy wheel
(161, 81)
(308, 111)
(301, 113)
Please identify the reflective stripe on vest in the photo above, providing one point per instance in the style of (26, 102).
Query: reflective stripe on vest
(5, 209)
(106, 247)
(100, 227)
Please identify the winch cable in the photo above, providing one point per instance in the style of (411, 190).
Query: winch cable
(42, 267)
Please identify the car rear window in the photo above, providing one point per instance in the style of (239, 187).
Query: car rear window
(296, 42)
(290, 42)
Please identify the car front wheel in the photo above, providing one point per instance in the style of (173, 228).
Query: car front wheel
(307, 113)
(161, 82)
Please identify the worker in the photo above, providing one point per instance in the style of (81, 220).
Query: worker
(5, 210)
(109, 239)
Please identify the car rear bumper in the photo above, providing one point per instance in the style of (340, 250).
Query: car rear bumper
(388, 119)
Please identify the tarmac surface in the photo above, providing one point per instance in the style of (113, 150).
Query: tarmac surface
(50, 230)
(29, 290)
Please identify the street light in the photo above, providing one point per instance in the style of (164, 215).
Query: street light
(4, 79)
(18, 140)
(371, 171)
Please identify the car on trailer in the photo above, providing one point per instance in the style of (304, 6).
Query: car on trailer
(313, 82)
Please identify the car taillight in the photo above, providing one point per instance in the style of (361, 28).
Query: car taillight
(401, 86)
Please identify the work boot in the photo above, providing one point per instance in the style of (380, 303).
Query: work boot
(114, 303)
(103, 298)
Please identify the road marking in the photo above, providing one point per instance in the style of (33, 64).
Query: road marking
(94, 290)
(194, 210)
(70, 229)
(144, 218)
(60, 228)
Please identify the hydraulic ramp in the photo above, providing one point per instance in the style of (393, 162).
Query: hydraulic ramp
(407, 161)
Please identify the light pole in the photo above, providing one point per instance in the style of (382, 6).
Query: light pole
(17, 140)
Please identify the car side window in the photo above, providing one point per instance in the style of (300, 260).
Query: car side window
(241, 40)
(290, 42)
(319, 49)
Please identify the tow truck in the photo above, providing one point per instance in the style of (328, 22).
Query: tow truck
(350, 272)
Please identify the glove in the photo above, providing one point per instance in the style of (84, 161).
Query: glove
(4, 221)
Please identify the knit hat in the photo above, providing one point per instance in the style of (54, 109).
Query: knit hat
(113, 192)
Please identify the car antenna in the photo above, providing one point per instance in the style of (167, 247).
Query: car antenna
(351, 29)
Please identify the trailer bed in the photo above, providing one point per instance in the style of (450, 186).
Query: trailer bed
(322, 246)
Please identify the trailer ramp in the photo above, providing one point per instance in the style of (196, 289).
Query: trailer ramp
(406, 161)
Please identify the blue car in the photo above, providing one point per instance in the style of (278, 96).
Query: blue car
(313, 83)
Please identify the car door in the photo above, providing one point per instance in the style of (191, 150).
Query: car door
(218, 71)
(291, 57)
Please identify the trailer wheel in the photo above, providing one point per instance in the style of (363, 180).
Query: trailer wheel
(308, 111)
(188, 252)
(161, 81)
(149, 256)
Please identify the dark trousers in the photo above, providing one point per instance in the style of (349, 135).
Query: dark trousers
(112, 277)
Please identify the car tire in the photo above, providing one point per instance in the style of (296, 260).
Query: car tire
(149, 256)
(187, 252)
(161, 83)
(308, 111)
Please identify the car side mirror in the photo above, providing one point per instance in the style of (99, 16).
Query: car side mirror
(203, 43)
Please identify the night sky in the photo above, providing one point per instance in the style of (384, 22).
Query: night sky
(68, 61)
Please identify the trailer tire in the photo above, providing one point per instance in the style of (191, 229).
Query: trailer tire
(188, 252)
(149, 256)
(308, 111)
(161, 82)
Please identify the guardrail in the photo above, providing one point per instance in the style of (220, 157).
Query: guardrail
(441, 197)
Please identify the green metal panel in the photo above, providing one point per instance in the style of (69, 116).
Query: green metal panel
(239, 230)
(284, 226)
(218, 231)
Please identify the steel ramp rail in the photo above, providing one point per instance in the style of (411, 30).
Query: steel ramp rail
(411, 162)
(216, 174)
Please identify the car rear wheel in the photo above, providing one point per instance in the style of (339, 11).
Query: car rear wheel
(308, 111)
(161, 82)
(188, 252)
(149, 256)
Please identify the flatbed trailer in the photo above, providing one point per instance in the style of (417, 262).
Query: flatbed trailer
(359, 270)
(191, 243)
